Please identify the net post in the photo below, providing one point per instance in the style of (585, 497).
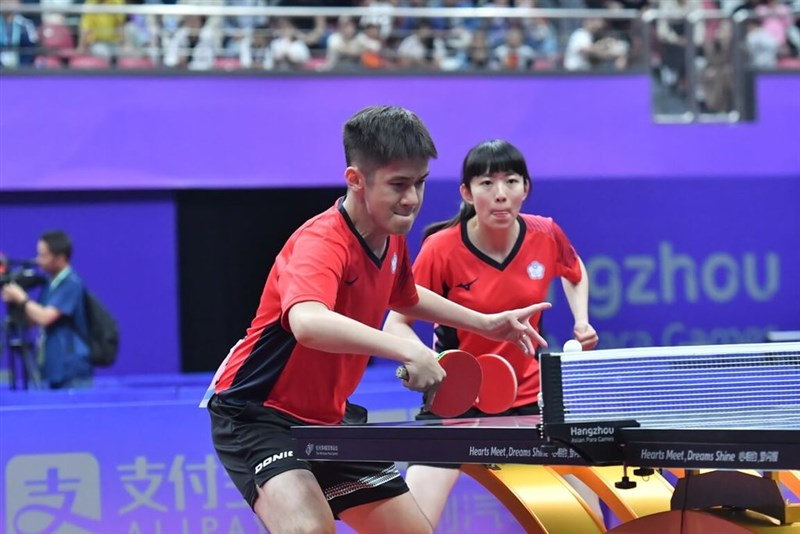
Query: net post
(551, 391)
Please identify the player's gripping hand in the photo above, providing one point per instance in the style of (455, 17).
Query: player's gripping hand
(586, 335)
(424, 371)
(515, 326)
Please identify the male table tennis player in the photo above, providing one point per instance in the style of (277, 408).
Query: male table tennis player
(319, 317)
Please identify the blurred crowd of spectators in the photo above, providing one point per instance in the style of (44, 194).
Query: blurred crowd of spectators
(383, 41)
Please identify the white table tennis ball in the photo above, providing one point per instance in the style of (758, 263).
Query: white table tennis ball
(572, 345)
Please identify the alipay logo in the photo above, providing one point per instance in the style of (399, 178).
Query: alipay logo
(52, 493)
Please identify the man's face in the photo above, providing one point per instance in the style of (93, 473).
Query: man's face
(46, 260)
(393, 195)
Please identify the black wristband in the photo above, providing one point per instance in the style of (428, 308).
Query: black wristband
(24, 303)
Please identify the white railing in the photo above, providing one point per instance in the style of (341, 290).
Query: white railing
(296, 12)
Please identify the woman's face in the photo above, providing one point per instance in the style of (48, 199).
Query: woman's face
(497, 198)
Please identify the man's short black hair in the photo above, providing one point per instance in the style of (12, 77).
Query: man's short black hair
(58, 242)
(379, 135)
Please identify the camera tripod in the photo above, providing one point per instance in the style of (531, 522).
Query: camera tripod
(21, 351)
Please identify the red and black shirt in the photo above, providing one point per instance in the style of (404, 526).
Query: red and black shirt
(326, 261)
(450, 265)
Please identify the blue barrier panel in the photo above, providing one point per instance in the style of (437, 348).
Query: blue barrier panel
(137, 458)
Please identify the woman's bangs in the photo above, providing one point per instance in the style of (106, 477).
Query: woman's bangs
(491, 158)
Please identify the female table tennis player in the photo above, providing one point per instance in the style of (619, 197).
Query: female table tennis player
(490, 257)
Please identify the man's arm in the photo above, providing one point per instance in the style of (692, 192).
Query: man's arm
(35, 312)
(578, 299)
(315, 326)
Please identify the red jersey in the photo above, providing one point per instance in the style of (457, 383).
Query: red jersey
(326, 261)
(450, 265)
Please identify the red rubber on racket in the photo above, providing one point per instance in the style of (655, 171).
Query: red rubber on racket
(459, 389)
(498, 389)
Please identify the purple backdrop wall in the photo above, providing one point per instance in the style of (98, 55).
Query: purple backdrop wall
(125, 250)
(671, 262)
(679, 251)
(122, 132)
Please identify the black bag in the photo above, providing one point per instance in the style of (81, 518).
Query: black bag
(103, 337)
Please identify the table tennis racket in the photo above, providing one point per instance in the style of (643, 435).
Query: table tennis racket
(498, 389)
(459, 389)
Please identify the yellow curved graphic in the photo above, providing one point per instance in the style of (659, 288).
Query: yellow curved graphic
(540, 499)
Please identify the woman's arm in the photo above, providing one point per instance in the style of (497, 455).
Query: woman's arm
(578, 299)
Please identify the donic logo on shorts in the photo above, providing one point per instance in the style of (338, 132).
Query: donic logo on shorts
(274, 458)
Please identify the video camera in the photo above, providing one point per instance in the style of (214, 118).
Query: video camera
(21, 272)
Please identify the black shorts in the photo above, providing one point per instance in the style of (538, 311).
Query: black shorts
(424, 415)
(254, 444)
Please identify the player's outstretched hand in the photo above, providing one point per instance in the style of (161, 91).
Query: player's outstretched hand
(585, 333)
(424, 371)
(515, 326)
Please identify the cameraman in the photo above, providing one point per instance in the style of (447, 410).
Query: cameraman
(61, 313)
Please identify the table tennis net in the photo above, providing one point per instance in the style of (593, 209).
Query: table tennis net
(708, 386)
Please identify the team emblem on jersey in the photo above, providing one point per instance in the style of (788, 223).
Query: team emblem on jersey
(535, 270)
(394, 263)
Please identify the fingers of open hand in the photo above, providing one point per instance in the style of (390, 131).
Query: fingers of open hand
(526, 344)
(538, 338)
